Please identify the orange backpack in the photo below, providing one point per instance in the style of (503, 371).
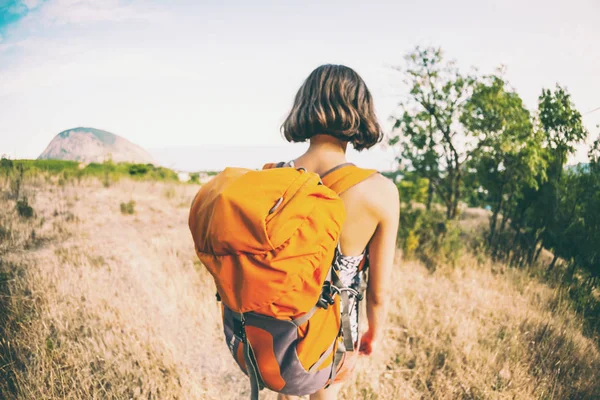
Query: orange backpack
(268, 238)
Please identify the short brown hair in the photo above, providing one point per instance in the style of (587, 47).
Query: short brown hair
(334, 100)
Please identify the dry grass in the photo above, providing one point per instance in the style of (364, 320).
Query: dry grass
(479, 332)
(96, 304)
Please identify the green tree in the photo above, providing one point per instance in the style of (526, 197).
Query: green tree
(590, 253)
(563, 127)
(508, 155)
(544, 223)
(430, 134)
(561, 122)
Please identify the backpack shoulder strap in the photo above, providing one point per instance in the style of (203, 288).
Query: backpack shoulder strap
(343, 177)
(273, 165)
(340, 178)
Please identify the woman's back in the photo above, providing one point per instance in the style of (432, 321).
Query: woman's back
(366, 203)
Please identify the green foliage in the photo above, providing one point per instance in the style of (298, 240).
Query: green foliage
(414, 190)
(428, 135)
(582, 294)
(128, 208)
(508, 155)
(194, 177)
(429, 236)
(548, 215)
(138, 169)
(466, 138)
(107, 171)
(24, 209)
(471, 139)
(52, 166)
(561, 122)
(6, 164)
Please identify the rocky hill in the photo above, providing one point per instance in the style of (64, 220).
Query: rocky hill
(94, 145)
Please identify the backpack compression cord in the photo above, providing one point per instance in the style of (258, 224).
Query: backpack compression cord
(256, 382)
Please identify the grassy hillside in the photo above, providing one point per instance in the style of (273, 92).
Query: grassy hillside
(101, 296)
(107, 171)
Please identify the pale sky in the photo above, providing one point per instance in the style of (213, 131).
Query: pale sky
(193, 73)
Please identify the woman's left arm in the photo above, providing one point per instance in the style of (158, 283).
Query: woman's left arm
(382, 249)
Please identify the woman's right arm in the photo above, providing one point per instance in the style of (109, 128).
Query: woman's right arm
(382, 249)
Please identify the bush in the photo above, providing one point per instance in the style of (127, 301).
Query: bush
(583, 297)
(24, 209)
(128, 208)
(16, 181)
(194, 177)
(429, 237)
(414, 190)
(5, 163)
(138, 169)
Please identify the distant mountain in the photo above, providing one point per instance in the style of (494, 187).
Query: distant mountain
(94, 145)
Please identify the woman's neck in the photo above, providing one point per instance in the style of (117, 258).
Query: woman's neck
(324, 153)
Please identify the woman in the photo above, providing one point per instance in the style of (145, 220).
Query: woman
(332, 109)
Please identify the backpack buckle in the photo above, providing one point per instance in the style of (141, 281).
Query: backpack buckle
(327, 294)
(239, 327)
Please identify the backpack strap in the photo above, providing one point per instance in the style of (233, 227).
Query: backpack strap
(345, 332)
(256, 382)
(345, 304)
(273, 165)
(339, 178)
(343, 177)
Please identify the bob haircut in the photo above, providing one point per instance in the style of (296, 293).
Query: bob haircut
(334, 100)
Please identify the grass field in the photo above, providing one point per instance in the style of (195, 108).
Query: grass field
(101, 297)
(108, 172)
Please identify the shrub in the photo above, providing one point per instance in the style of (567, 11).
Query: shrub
(128, 208)
(586, 302)
(138, 169)
(429, 237)
(194, 177)
(16, 182)
(24, 209)
(5, 163)
(165, 174)
(414, 190)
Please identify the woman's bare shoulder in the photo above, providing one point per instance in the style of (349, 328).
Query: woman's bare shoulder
(385, 189)
(380, 193)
